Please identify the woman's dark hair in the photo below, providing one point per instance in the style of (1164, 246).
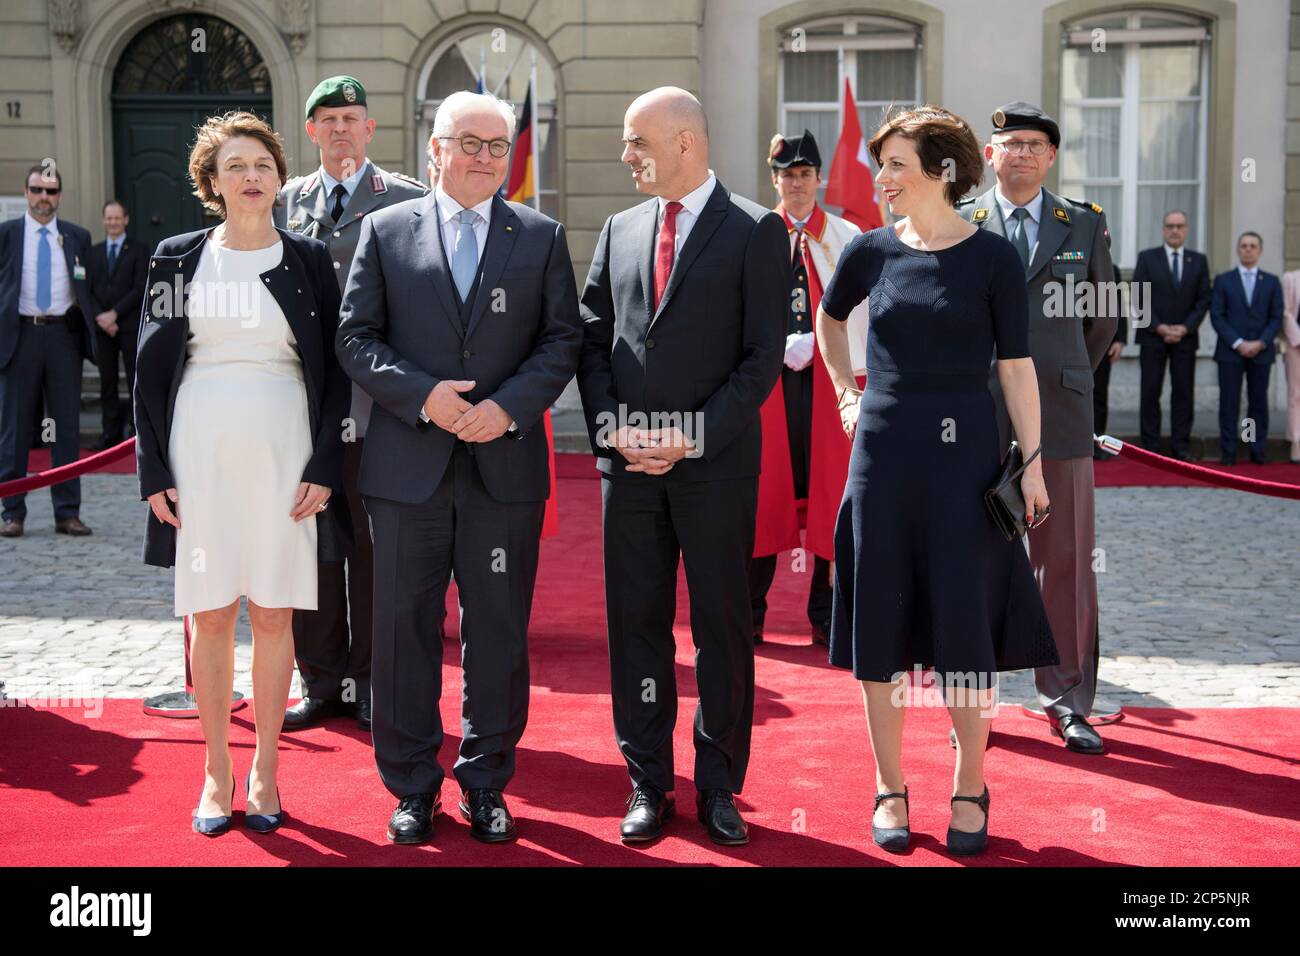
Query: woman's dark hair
(945, 144)
(212, 135)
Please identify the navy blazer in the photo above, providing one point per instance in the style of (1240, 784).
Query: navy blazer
(1185, 305)
(75, 242)
(1233, 318)
(304, 287)
(400, 333)
(711, 350)
(121, 290)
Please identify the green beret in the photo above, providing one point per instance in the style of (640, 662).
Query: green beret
(337, 91)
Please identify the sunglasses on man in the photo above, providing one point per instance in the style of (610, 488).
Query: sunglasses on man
(47, 190)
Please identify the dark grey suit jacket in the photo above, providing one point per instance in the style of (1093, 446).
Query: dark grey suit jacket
(400, 333)
(1073, 243)
(713, 348)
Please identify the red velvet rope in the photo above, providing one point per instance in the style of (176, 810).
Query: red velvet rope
(1222, 479)
(66, 472)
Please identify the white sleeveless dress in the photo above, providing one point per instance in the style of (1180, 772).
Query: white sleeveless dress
(240, 439)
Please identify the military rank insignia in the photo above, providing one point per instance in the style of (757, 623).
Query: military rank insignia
(377, 184)
(1095, 208)
(1060, 214)
(979, 215)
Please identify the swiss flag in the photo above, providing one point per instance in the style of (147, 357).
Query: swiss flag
(851, 185)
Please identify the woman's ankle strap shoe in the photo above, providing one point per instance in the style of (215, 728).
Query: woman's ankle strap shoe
(263, 822)
(961, 843)
(213, 826)
(893, 839)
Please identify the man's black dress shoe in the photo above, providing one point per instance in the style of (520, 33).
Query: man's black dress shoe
(489, 819)
(717, 811)
(1179, 455)
(648, 809)
(362, 711)
(1227, 459)
(412, 821)
(312, 710)
(1078, 734)
(821, 634)
(1260, 459)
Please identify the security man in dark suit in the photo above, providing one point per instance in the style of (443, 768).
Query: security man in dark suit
(332, 643)
(1246, 311)
(119, 267)
(1065, 246)
(1179, 282)
(46, 332)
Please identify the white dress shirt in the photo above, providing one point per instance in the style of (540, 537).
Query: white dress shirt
(1182, 260)
(1035, 209)
(448, 210)
(693, 204)
(60, 285)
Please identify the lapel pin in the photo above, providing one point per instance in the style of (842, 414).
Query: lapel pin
(1060, 214)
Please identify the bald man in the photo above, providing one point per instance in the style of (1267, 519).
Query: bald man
(684, 319)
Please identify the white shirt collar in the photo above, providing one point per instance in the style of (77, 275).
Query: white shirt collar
(449, 208)
(695, 200)
(1242, 269)
(1170, 250)
(1035, 205)
(350, 184)
(115, 242)
(33, 226)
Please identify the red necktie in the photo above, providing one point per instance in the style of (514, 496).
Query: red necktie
(664, 249)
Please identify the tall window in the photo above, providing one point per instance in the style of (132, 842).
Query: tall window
(879, 55)
(503, 61)
(1133, 118)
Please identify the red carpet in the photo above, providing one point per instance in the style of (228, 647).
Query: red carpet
(1122, 473)
(1214, 787)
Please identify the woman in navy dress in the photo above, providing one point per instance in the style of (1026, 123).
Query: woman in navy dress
(923, 578)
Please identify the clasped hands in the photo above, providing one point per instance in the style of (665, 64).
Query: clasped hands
(1251, 347)
(485, 421)
(107, 321)
(652, 451)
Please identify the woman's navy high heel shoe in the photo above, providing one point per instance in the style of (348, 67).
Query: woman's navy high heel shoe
(893, 839)
(961, 843)
(262, 822)
(214, 826)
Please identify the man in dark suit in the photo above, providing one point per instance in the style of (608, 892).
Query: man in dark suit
(46, 331)
(119, 267)
(684, 313)
(1246, 312)
(1178, 280)
(462, 351)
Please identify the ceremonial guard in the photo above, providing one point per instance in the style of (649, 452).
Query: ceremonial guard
(805, 450)
(332, 643)
(1065, 246)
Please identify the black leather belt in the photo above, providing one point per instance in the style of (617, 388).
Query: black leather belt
(68, 318)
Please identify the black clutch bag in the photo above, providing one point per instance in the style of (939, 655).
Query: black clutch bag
(1005, 501)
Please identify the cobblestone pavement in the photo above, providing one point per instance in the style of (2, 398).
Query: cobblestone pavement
(1198, 602)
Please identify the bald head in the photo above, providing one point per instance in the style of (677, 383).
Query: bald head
(666, 142)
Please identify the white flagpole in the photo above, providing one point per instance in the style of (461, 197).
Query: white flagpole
(536, 137)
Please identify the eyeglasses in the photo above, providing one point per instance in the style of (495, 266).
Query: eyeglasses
(1018, 147)
(473, 145)
(47, 190)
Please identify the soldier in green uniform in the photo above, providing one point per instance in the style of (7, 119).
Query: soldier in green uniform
(1065, 246)
(329, 204)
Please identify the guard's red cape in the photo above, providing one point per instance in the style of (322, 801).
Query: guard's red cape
(780, 515)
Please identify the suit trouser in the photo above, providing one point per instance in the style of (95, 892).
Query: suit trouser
(648, 522)
(1292, 359)
(762, 571)
(1101, 396)
(1181, 358)
(47, 361)
(332, 643)
(1256, 374)
(1060, 553)
(492, 548)
(117, 415)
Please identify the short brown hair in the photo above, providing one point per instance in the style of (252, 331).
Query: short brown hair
(44, 172)
(214, 134)
(945, 144)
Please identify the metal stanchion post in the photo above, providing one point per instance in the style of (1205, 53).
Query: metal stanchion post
(181, 703)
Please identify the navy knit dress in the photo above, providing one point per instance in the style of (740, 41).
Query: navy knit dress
(922, 575)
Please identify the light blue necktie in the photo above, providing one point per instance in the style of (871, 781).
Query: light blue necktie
(1248, 280)
(44, 260)
(464, 262)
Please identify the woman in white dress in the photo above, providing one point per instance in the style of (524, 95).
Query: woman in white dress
(243, 405)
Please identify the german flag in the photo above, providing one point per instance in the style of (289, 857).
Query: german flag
(521, 184)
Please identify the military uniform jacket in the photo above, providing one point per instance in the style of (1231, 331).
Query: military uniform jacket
(1066, 341)
(305, 209)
